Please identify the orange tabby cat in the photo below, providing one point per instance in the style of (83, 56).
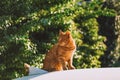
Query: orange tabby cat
(61, 55)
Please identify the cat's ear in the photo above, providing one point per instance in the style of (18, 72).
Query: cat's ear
(68, 32)
(60, 32)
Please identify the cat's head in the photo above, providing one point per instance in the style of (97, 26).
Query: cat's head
(65, 39)
(26, 67)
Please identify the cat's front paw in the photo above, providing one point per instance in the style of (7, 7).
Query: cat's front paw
(71, 67)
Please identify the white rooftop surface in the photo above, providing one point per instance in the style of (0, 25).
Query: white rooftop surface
(78, 74)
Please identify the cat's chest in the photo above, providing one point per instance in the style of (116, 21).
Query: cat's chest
(64, 53)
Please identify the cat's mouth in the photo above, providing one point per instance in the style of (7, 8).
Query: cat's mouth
(67, 48)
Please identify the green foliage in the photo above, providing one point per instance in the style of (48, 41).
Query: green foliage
(111, 30)
(92, 47)
(29, 28)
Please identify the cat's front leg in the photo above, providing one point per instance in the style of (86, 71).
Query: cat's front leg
(70, 66)
(64, 63)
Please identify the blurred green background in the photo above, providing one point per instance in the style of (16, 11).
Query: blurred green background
(29, 28)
